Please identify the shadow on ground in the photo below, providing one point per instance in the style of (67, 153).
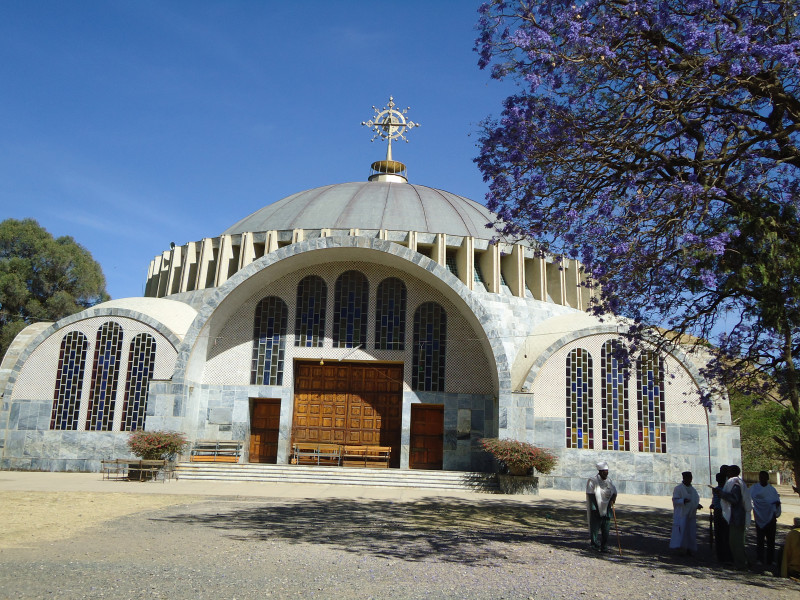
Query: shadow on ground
(459, 531)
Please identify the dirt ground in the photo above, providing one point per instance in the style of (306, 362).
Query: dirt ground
(31, 517)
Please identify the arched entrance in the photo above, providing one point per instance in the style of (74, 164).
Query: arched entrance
(348, 403)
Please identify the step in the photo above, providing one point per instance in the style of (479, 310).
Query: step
(457, 480)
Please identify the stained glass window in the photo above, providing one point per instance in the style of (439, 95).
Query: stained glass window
(309, 324)
(650, 403)
(269, 340)
(580, 414)
(350, 316)
(69, 381)
(390, 315)
(614, 396)
(141, 360)
(105, 372)
(430, 340)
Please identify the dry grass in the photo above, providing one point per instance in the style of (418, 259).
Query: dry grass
(28, 518)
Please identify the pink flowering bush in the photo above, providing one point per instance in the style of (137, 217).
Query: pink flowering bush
(519, 456)
(156, 445)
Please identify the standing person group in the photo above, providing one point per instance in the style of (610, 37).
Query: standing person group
(732, 503)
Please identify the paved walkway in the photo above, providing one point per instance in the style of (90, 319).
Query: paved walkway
(93, 482)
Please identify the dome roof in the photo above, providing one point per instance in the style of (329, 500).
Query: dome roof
(372, 205)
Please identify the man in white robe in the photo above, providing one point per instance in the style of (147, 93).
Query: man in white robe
(736, 507)
(600, 497)
(685, 502)
(766, 510)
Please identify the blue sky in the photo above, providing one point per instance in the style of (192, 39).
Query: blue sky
(132, 124)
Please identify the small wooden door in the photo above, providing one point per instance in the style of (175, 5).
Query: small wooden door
(264, 424)
(427, 436)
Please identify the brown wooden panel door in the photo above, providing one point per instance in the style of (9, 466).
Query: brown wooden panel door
(264, 425)
(357, 404)
(427, 436)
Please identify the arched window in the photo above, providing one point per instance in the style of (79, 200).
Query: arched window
(105, 372)
(430, 341)
(269, 339)
(141, 359)
(390, 315)
(614, 396)
(351, 302)
(580, 414)
(650, 403)
(69, 381)
(309, 324)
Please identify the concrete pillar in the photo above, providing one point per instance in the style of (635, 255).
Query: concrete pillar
(513, 267)
(439, 250)
(206, 265)
(226, 260)
(163, 275)
(189, 271)
(151, 287)
(490, 268)
(465, 261)
(175, 268)
(272, 242)
(247, 250)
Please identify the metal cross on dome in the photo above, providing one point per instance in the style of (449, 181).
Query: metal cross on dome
(390, 124)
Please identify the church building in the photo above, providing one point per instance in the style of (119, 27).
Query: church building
(379, 312)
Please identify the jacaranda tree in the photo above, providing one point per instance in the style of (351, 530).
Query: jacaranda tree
(657, 142)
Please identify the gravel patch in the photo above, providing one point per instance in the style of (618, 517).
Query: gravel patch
(441, 548)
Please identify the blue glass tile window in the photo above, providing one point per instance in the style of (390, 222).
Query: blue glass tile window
(650, 403)
(580, 403)
(269, 340)
(69, 381)
(350, 310)
(614, 396)
(430, 341)
(390, 315)
(309, 324)
(141, 361)
(105, 372)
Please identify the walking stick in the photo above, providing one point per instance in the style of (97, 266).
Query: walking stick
(619, 545)
(711, 528)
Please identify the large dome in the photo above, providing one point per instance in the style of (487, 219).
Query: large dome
(372, 205)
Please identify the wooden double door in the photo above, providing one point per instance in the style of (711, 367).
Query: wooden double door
(357, 404)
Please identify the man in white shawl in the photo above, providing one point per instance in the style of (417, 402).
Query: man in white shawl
(600, 497)
(685, 502)
(766, 510)
(736, 507)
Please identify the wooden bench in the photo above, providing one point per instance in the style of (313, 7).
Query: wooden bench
(216, 451)
(366, 456)
(136, 469)
(115, 469)
(316, 454)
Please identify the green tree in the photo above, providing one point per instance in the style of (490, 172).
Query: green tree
(43, 278)
(759, 423)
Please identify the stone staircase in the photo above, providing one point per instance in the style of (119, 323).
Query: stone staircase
(404, 478)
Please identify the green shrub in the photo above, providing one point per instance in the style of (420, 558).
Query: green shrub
(519, 456)
(156, 445)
